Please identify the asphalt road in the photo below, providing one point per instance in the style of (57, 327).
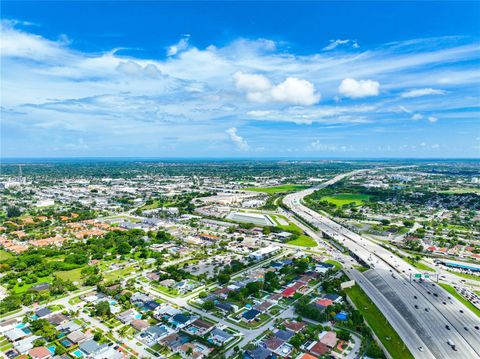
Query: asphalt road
(388, 285)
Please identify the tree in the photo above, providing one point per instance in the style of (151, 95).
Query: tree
(223, 278)
(344, 335)
(97, 336)
(124, 247)
(102, 309)
(208, 305)
(13, 211)
(38, 343)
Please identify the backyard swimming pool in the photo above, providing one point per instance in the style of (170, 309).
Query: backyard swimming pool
(78, 353)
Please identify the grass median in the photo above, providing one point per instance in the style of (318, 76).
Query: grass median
(464, 301)
(379, 324)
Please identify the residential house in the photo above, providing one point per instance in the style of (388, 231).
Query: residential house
(328, 338)
(139, 324)
(128, 315)
(250, 315)
(91, 348)
(219, 337)
(39, 353)
(200, 327)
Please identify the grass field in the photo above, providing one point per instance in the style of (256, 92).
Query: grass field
(23, 288)
(453, 292)
(117, 274)
(341, 199)
(465, 275)
(5, 255)
(379, 324)
(74, 275)
(303, 241)
(461, 190)
(337, 265)
(278, 189)
(421, 266)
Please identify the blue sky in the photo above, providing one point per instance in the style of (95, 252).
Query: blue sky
(313, 79)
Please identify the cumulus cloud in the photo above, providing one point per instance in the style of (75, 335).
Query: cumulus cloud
(251, 82)
(293, 90)
(180, 46)
(416, 117)
(237, 140)
(56, 88)
(357, 89)
(132, 68)
(422, 92)
(336, 43)
(432, 119)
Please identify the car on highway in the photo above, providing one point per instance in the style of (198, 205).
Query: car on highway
(461, 311)
(477, 327)
(420, 348)
(452, 344)
(426, 309)
(416, 306)
(415, 297)
(447, 327)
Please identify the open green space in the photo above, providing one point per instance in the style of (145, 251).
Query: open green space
(461, 190)
(337, 265)
(303, 241)
(454, 293)
(19, 288)
(420, 265)
(341, 199)
(379, 324)
(465, 275)
(5, 255)
(74, 275)
(278, 189)
(118, 274)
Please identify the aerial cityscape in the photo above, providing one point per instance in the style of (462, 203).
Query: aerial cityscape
(246, 180)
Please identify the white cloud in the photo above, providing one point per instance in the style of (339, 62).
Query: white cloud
(416, 117)
(336, 43)
(296, 91)
(404, 109)
(239, 141)
(356, 89)
(251, 82)
(293, 90)
(422, 92)
(432, 119)
(180, 46)
(132, 68)
(50, 85)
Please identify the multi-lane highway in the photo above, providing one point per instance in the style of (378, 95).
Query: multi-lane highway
(431, 323)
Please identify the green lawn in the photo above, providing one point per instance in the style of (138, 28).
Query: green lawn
(420, 265)
(118, 274)
(5, 255)
(23, 288)
(378, 323)
(461, 190)
(337, 265)
(74, 275)
(453, 292)
(278, 189)
(303, 241)
(465, 275)
(340, 199)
